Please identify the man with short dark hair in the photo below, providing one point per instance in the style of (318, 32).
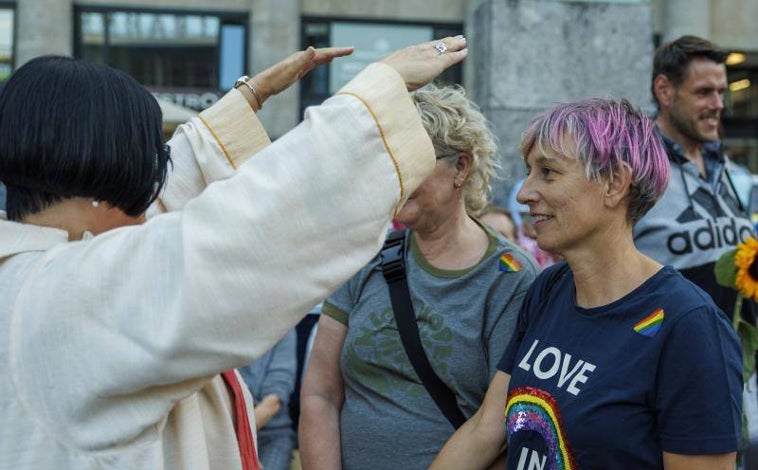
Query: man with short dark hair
(700, 216)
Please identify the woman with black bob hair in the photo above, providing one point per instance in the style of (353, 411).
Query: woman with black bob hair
(119, 339)
(79, 130)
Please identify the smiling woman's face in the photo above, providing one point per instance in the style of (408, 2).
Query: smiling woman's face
(567, 208)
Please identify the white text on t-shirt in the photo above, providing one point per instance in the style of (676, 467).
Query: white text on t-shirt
(536, 461)
(550, 361)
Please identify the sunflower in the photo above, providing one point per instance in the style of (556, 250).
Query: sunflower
(746, 260)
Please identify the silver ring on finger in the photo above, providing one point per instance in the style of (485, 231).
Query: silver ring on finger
(441, 47)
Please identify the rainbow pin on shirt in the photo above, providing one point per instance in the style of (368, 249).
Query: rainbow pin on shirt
(650, 325)
(509, 264)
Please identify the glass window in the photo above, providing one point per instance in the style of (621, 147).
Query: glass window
(6, 42)
(741, 121)
(92, 38)
(232, 60)
(372, 40)
(185, 58)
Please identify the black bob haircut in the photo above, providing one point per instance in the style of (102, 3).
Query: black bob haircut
(673, 58)
(71, 128)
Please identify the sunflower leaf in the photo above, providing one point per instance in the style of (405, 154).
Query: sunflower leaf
(749, 338)
(726, 270)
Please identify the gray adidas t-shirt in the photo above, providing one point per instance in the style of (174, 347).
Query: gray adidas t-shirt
(466, 319)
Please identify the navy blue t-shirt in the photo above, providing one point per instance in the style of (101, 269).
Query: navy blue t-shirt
(657, 370)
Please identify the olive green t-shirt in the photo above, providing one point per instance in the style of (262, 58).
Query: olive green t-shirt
(465, 319)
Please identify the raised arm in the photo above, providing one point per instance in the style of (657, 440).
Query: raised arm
(211, 146)
(175, 301)
(282, 75)
(321, 399)
(481, 439)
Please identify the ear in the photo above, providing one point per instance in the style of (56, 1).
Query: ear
(664, 90)
(462, 167)
(618, 187)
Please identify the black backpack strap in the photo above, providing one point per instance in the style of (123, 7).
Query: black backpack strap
(393, 268)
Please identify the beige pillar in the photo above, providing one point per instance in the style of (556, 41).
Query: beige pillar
(530, 55)
(470, 28)
(275, 31)
(43, 27)
(682, 17)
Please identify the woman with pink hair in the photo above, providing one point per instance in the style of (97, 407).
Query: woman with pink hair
(617, 361)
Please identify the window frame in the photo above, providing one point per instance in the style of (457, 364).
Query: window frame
(741, 130)
(12, 6)
(235, 17)
(440, 29)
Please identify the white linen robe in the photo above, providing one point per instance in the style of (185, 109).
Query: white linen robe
(111, 346)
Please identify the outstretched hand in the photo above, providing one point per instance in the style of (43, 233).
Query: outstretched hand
(420, 64)
(282, 75)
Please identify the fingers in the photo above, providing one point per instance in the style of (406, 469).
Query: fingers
(421, 63)
(452, 49)
(326, 54)
(312, 57)
(453, 58)
(455, 44)
(282, 75)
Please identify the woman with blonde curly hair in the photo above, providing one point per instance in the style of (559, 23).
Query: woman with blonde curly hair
(362, 395)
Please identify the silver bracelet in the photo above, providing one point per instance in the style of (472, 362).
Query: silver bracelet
(245, 80)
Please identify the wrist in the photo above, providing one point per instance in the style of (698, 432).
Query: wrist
(249, 90)
(261, 82)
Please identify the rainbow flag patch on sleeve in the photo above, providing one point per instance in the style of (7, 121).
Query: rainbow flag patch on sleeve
(650, 325)
(509, 264)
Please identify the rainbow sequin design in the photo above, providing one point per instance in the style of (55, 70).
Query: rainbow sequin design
(509, 264)
(532, 409)
(650, 325)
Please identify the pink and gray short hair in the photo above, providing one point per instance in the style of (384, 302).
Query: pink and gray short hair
(605, 134)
